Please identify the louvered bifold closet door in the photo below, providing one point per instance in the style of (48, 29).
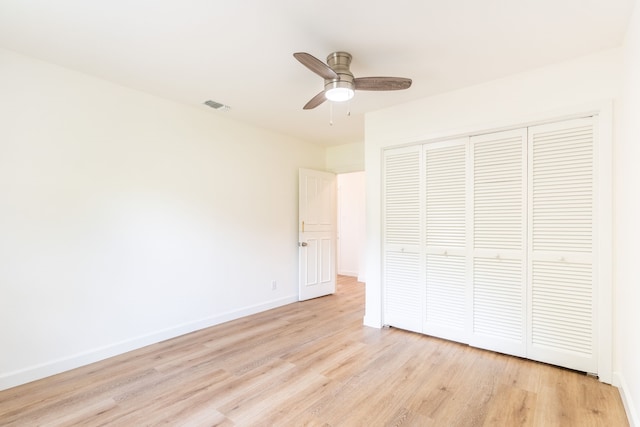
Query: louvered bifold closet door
(562, 292)
(445, 239)
(403, 293)
(498, 233)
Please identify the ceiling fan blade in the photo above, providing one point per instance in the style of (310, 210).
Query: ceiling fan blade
(382, 83)
(315, 65)
(315, 101)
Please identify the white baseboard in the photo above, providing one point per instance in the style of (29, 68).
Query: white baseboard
(632, 414)
(347, 273)
(43, 370)
(373, 323)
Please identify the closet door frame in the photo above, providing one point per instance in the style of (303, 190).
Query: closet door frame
(603, 238)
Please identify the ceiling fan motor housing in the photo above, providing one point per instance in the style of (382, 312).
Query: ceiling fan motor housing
(339, 62)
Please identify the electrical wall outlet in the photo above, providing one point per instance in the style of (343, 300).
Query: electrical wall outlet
(274, 285)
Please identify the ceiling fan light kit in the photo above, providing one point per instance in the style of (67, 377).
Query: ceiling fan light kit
(339, 91)
(339, 83)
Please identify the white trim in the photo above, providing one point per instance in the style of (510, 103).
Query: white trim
(604, 240)
(372, 322)
(627, 401)
(36, 372)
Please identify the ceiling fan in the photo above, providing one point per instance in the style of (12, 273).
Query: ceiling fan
(339, 83)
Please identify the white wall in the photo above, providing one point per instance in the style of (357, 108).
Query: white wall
(345, 158)
(126, 219)
(627, 228)
(579, 85)
(351, 224)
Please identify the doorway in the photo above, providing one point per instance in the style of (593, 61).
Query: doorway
(351, 225)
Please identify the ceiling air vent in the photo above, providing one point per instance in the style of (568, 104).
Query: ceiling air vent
(216, 105)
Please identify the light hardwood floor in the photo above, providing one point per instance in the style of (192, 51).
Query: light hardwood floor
(313, 363)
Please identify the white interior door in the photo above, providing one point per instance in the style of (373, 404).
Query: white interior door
(403, 270)
(317, 234)
(563, 288)
(445, 242)
(497, 221)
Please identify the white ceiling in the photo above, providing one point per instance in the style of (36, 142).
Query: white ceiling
(239, 52)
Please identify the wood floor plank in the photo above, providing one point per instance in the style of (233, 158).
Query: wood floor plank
(312, 363)
(511, 406)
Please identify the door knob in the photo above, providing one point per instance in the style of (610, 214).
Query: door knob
(303, 244)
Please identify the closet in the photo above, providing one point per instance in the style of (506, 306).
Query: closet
(488, 240)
